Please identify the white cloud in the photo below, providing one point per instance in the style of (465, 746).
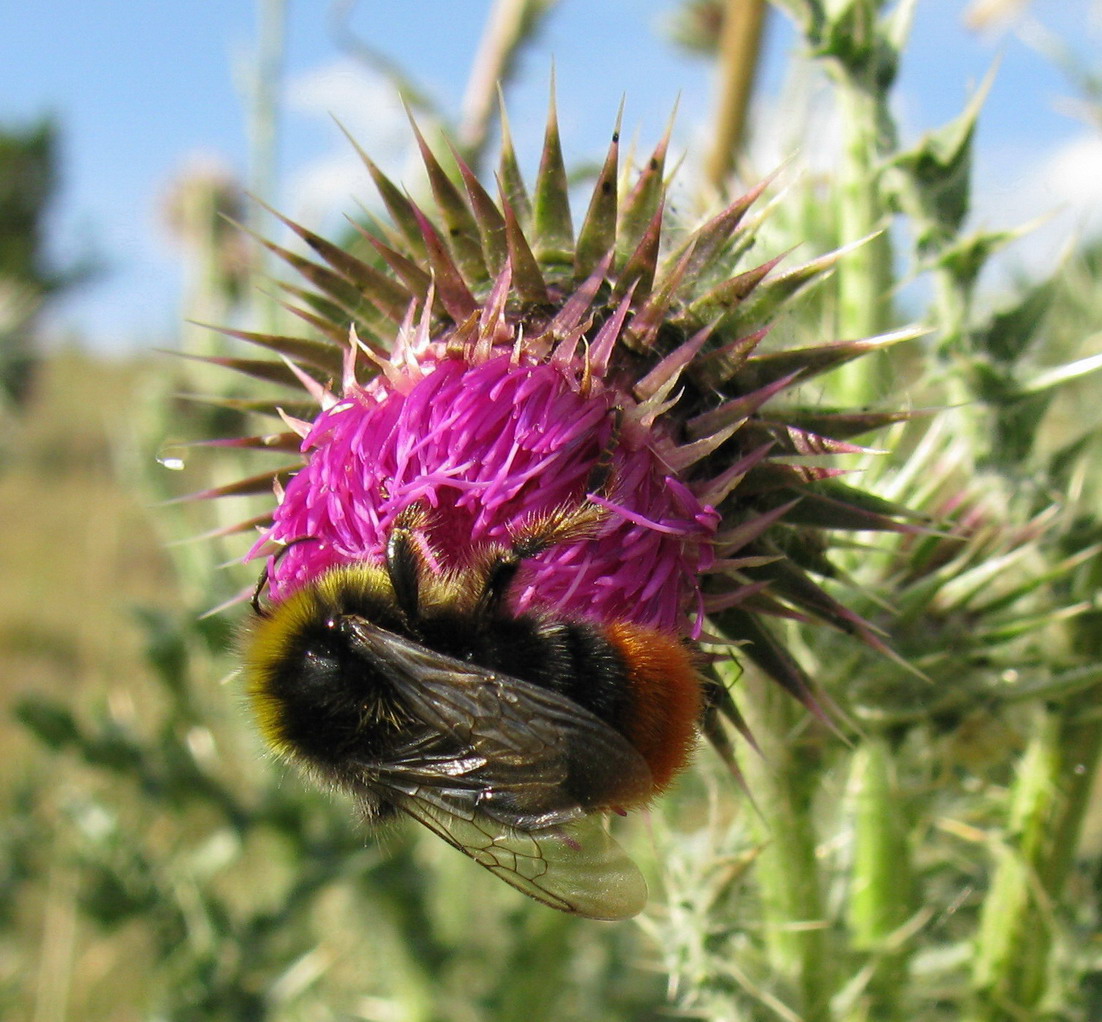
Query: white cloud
(1071, 179)
(1062, 187)
(367, 106)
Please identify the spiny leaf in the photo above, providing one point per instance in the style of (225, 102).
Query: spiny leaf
(491, 223)
(1068, 373)
(1010, 332)
(1054, 686)
(1037, 581)
(305, 351)
(938, 172)
(1019, 627)
(767, 299)
(397, 203)
(762, 369)
(638, 209)
(708, 241)
(551, 224)
(527, 277)
(281, 443)
(459, 222)
(246, 525)
(896, 24)
(716, 368)
(416, 280)
(450, 285)
(832, 504)
(638, 272)
(258, 368)
(840, 425)
(732, 292)
(389, 297)
(326, 326)
(738, 408)
(764, 649)
(304, 409)
(251, 486)
(510, 179)
(598, 233)
(965, 256)
(333, 288)
(333, 315)
(793, 584)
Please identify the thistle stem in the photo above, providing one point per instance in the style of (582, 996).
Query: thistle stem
(739, 55)
(865, 275)
(263, 135)
(784, 779)
(510, 23)
(1050, 800)
(882, 889)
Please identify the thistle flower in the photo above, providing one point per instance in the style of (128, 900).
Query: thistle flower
(488, 362)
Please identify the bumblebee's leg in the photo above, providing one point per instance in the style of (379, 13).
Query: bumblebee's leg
(541, 532)
(600, 476)
(405, 558)
(536, 535)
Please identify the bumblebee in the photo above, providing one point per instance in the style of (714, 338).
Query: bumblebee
(509, 735)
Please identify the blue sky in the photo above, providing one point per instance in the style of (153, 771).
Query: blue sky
(142, 90)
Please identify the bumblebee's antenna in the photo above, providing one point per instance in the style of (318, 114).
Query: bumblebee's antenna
(260, 584)
(263, 580)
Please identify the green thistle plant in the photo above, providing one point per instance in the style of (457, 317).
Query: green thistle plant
(657, 343)
(486, 369)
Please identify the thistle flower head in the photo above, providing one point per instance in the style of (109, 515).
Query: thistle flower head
(486, 360)
(488, 441)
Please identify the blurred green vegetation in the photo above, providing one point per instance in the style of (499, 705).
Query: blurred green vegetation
(933, 854)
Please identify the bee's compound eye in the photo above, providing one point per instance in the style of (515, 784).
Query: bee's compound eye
(320, 669)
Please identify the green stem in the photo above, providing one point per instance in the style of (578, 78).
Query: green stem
(784, 779)
(1050, 800)
(882, 891)
(739, 56)
(865, 276)
(1081, 748)
(264, 134)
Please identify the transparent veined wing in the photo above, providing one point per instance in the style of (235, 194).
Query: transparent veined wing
(576, 867)
(496, 745)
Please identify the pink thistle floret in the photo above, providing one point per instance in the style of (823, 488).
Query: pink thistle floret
(486, 445)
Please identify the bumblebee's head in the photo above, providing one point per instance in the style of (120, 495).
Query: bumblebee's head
(310, 687)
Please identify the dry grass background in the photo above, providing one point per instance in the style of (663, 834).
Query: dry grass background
(79, 551)
(78, 548)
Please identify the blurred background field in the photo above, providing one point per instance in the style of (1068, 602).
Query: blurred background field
(154, 864)
(79, 551)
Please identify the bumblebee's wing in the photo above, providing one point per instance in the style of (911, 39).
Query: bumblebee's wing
(576, 867)
(434, 769)
(519, 754)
